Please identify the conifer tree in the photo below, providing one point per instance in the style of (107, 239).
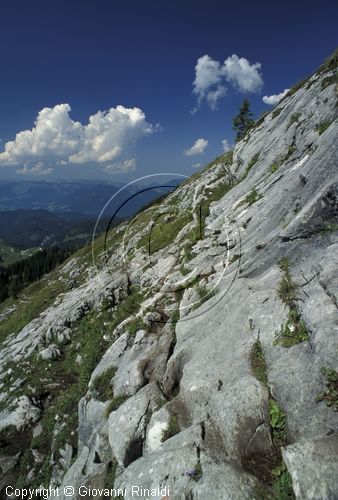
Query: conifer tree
(243, 121)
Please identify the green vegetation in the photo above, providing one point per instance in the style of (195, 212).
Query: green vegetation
(276, 415)
(322, 126)
(37, 297)
(294, 330)
(203, 295)
(250, 198)
(276, 112)
(276, 164)
(198, 472)
(68, 380)
(278, 423)
(163, 232)
(7, 438)
(192, 238)
(10, 255)
(330, 227)
(330, 395)
(245, 224)
(172, 429)
(115, 403)
(274, 167)
(253, 196)
(294, 118)
(296, 87)
(242, 122)
(211, 194)
(225, 159)
(136, 325)
(250, 164)
(234, 257)
(279, 483)
(214, 193)
(110, 475)
(184, 270)
(258, 362)
(287, 289)
(159, 403)
(129, 306)
(73, 378)
(175, 316)
(330, 64)
(290, 151)
(101, 385)
(282, 487)
(329, 80)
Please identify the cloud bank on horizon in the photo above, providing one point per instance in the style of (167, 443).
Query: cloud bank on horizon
(212, 79)
(56, 139)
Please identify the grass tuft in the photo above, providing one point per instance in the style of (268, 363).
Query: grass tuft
(198, 472)
(294, 330)
(330, 395)
(258, 362)
(115, 403)
(278, 423)
(294, 118)
(253, 160)
(101, 384)
(172, 429)
(136, 325)
(282, 488)
(322, 126)
(274, 167)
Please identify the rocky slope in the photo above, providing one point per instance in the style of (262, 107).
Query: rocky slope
(199, 350)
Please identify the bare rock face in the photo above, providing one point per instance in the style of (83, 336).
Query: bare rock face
(173, 466)
(24, 414)
(313, 467)
(215, 372)
(145, 360)
(51, 352)
(127, 425)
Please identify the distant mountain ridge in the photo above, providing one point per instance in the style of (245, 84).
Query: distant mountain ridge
(86, 197)
(43, 214)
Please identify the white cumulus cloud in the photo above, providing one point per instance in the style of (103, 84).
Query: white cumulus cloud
(274, 99)
(213, 96)
(124, 166)
(196, 165)
(245, 76)
(197, 148)
(57, 138)
(208, 75)
(213, 78)
(226, 146)
(37, 169)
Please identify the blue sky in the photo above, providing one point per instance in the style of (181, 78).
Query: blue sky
(95, 56)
